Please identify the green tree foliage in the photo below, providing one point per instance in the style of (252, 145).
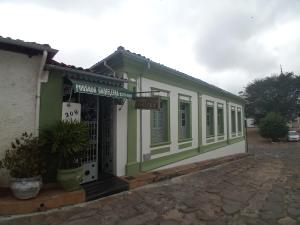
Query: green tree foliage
(278, 93)
(273, 126)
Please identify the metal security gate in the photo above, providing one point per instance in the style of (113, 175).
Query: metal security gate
(106, 135)
(89, 114)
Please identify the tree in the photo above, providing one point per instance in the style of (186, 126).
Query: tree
(278, 93)
(273, 126)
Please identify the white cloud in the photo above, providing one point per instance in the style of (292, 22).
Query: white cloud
(227, 43)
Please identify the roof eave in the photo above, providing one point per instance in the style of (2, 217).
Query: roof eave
(82, 72)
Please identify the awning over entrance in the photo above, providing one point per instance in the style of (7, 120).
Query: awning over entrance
(89, 82)
(93, 88)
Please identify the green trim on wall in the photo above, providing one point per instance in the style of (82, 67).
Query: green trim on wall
(185, 145)
(168, 159)
(214, 146)
(221, 138)
(160, 150)
(160, 144)
(210, 140)
(185, 140)
(132, 169)
(51, 101)
(235, 140)
(131, 133)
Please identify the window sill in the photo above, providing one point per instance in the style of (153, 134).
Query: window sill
(210, 137)
(185, 140)
(160, 144)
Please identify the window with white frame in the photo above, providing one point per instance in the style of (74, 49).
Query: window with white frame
(220, 117)
(233, 120)
(210, 131)
(160, 123)
(239, 119)
(184, 119)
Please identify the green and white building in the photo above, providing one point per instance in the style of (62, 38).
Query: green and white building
(195, 121)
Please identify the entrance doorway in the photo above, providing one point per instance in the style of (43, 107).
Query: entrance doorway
(98, 159)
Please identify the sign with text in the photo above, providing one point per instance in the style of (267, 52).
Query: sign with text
(152, 102)
(71, 111)
(102, 90)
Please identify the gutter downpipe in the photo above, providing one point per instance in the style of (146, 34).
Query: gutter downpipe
(38, 92)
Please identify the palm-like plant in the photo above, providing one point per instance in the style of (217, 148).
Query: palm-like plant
(68, 139)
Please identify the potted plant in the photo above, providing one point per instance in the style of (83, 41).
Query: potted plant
(23, 160)
(68, 140)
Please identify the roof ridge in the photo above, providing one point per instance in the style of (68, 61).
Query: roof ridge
(121, 49)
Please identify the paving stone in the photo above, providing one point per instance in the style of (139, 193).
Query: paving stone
(287, 221)
(294, 211)
(231, 207)
(169, 222)
(259, 190)
(140, 219)
(173, 214)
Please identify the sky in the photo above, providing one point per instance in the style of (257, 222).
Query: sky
(227, 43)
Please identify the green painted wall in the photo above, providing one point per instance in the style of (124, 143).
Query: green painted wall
(132, 166)
(51, 101)
(50, 114)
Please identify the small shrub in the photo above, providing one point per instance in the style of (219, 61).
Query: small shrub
(67, 141)
(23, 159)
(273, 126)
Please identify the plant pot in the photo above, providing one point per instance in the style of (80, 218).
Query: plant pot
(26, 188)
(70, 179)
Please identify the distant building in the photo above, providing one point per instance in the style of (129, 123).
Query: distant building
(250, 122)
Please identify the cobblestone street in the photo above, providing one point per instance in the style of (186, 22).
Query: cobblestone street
(263, 189)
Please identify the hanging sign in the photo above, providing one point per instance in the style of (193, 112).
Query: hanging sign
(71, 111)
(102, 90)
(152, 102)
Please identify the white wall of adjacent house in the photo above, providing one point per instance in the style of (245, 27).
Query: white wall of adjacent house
(18, 78)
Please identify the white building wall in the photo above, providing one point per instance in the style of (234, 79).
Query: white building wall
(18, 75)
(121, 139)
(147, 84)
(220, 152)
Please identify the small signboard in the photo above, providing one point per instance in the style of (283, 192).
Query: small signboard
(71, 111)
(102, 90)
(152, 102)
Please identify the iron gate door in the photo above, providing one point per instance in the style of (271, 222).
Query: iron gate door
(89, 114)
(106, 135)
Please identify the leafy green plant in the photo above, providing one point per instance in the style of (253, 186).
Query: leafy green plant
(23, 159)
(68, 140)
(273, 126)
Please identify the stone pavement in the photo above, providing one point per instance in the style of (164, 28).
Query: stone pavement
(263, 189)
